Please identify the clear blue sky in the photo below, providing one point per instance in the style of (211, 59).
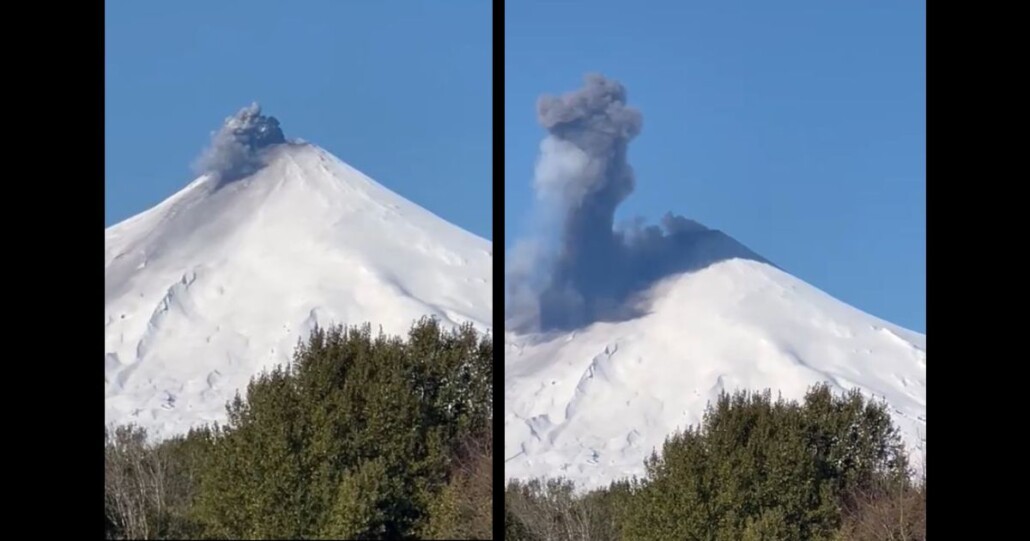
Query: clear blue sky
(796, 127)
(400, 90)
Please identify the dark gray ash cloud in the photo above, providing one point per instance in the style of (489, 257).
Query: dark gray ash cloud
(236, 150)
(581, 268)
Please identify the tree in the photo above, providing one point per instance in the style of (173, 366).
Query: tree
(359, 434)
(358, 511)
(148, 489)
(831, 467)
(761, 469)
(464, 508)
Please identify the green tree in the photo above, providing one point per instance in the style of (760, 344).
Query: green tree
(359, 434)
(358, 511)
(758, 468)
(515, 529)
(464, 508)
(828, 467)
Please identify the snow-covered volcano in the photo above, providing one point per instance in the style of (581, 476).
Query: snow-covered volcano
(220, 281)
(618, 336)
(590, 405)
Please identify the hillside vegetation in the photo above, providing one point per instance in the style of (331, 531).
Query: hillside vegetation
(361, 436)
(829, 467)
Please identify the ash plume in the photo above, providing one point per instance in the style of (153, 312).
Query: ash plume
(578, 268)
(236, 149)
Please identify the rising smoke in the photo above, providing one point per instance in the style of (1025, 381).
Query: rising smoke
(578, 268)
(236, 150)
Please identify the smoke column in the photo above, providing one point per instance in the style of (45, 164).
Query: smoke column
(578, 268)
(236, 149)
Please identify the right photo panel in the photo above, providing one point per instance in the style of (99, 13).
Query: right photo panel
(715, 258)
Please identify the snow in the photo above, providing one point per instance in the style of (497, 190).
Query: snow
(590, 405)
(221, 280)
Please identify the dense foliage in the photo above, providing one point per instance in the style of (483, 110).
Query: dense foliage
(362, 436)
(829, 468)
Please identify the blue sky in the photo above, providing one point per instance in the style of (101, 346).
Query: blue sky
(401, 91)
(796, 127)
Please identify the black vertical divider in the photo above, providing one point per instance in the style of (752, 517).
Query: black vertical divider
(498, 268)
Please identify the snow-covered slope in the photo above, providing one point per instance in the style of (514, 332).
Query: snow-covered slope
(219, 281)
(590, 405)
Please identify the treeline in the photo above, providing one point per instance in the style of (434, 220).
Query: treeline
(360, 437)
(830, 467)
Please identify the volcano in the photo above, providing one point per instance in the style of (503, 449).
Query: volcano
(221, 280)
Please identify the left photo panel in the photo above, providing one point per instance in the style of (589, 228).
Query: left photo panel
(298, 283)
